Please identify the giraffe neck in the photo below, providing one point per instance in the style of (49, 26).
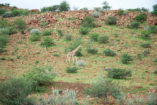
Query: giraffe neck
(74, 51)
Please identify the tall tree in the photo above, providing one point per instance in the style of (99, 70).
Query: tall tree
(106, 5)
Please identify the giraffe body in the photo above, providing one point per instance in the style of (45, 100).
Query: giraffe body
(72, 55)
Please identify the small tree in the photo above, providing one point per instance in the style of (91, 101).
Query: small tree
(64, 6)
(89, 22)
(47, 43)
(154, 10)
(15, 91)
(106, 5)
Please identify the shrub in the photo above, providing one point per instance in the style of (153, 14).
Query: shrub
(126, 58)
(40, 76)
(71, 69)
(92, 50)
(85, 9)
(4, 39)
(81, 63)
(152, 29)
(64, 6)
(145, 34)
(15, 91)
(60, 33)
(2, 11)
(7, 14)
(154, 12)
(109, 52)
(84, 30)
(120, 12)
(118, 73)
(103, 39)
(111, 20)
(51, 8)
(20, 24)
(34, 38)
(68, 37)
(103, 88)
(7, 31)
(48, 42)
(47, 32)
(56, 98)
(134, 25)
(19, 12)
(155, 72)
(95, 14)
(146, 53)
(35, 31)
(89, 21)
(141, 17)
(155, 60)
(4, 23)
(146, 45)
(94, 36)
(4, 31)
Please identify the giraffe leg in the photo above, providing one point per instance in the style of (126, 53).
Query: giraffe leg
(76, 59)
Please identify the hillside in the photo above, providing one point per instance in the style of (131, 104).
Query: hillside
(23, 54)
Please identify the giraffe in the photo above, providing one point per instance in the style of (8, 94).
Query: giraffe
(71, 55)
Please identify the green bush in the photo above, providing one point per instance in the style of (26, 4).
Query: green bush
(92, 50)
(118, 73)
(4, 39)
(71, 69)
(94, 36)
(34, 37)
(155, 72)
(109, 52)
(84, 30)
(152, 29)
(103, 88)
(103, 39)
(7, 14)
(40, 76)
(2, 11)
(20, 24)
(146, 45)
(15, 91)
(19, 12)
(126, 58)
(111, 20)
(64, 6)
(68, 37)
(134, 25)
(54, 8)
(141, 17)
(8, 31)
(120, 12)
(3, 23)
(154, 12)
(47, 32)
(89, 22)
(48, 42)
(60, 33)
(155, 60)
(145, 34)
(146, 53)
